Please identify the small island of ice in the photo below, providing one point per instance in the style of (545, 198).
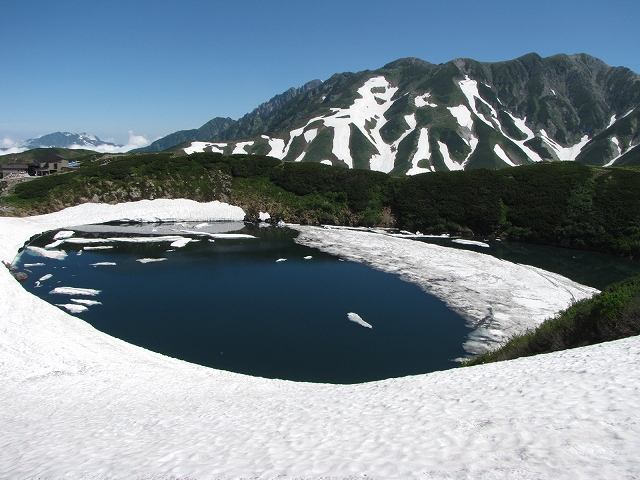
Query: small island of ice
(354, 317)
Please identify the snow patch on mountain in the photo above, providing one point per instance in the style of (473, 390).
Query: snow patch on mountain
(462, 115)
(470, 90)
(202, 146)
(423, 101)
(448, 161)
(240, 147)
(503, 156)
(565, 154)
(422, 153)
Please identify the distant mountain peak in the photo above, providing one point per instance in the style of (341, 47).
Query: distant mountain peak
(67, 140)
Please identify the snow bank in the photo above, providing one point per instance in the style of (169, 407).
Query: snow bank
(77, 403)
(16, 231)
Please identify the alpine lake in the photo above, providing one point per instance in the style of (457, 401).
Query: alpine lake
(250, 300)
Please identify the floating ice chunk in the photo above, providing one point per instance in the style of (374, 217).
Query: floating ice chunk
(82, 241)
(101, 264)
(281, 260)
(99, 247)
(164, 238)
(45, 277)
(27, 265)
(63, 234)
(471, 242)
(84, 301)
(72, 307)
(200, 225)
(75, 291)
(79, 253)
(150, 260)
(54, 244)
(180, 242)
(219, 235)
(55, 254)
(308, 257)
(263, 216)
(354, 317)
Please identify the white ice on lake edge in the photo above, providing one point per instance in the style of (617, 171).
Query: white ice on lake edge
(497, 298)
(77, 403)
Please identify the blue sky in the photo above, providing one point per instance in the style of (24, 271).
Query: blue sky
(118, 69)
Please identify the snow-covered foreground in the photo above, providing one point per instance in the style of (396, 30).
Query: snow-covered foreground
(497, 298)
(76, 403)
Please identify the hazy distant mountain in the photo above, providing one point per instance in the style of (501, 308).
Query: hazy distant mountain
(412, 116)
(205, 132)
(66, 140)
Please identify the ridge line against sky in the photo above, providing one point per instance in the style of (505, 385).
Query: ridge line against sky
(132, 72)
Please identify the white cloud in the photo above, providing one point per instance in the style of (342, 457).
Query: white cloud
(9, 146)
(135, 141)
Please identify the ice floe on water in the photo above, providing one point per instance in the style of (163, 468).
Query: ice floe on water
(63, 234)
(75, 291)
(182, 242)
(42, 252)
(74, 399)
(150, 260)
(43, 279)
(97, 247)
(462, 241)
(219, 235)
(497, 298)
(102, 264)
(29, 265)
(354, 317)
(72, 307)
(84, 301)
(308, 257)
(281, 260)
(54, 244)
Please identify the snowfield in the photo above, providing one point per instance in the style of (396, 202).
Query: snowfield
(77, 403)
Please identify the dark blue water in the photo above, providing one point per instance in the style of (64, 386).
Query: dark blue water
(588, 268)
(229, 305)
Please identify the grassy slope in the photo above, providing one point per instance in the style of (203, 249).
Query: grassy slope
(29, 155)
(564, 204)
(610, 315)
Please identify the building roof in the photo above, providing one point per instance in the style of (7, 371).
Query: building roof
(49, 157)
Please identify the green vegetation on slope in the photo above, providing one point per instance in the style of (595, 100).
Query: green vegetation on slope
(610, 315)
(560, 203)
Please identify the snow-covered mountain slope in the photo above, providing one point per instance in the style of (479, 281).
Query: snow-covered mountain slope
(412, 117)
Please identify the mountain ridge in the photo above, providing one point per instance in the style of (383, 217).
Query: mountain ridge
(456, 115)
(412, 116)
